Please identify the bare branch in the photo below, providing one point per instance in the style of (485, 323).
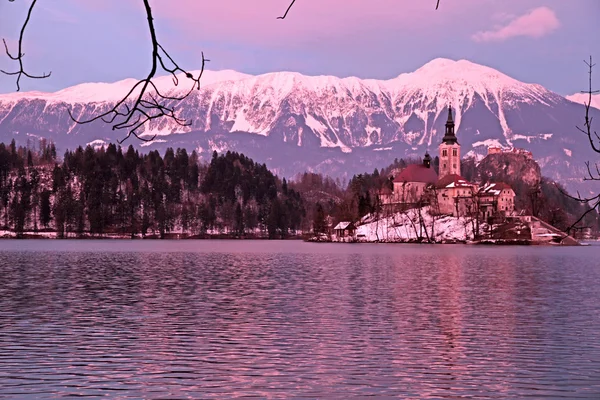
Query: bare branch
(574, 225)
(136, 109)
(437, 5)
(288, 10)
(19, 57)
(588, 120)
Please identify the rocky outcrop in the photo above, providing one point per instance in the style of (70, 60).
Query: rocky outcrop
(514, 169)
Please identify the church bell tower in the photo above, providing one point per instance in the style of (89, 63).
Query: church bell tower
(449, 150)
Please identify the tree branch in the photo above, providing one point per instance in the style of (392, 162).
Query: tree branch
(437, 5)
(592, 176)
(19, 57)
(588, 120)
(148, 104)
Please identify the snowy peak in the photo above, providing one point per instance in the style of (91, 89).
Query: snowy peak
(460, 75)
(584, 98)
(98, 92)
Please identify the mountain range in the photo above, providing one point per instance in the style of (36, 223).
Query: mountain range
(336, 126)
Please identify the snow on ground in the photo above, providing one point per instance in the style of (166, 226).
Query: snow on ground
(406, 226)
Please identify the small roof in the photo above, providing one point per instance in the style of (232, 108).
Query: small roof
(495, 188)
(453, 181)
(343, 225)
(417, 173)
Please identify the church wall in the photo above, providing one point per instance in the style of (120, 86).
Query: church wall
(450, 163)
(408, 192)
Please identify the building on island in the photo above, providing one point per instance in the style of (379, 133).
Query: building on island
(496, 198)
(344, 229)
(513, 150)
(455, 195)
(449, 193)
(410, 184)
(449, 150)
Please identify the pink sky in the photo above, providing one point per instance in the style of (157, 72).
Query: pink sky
(537, 41)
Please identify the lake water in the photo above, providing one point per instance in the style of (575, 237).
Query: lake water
(202, 319)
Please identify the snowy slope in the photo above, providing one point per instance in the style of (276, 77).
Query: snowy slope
(583, 98)
(328, 124)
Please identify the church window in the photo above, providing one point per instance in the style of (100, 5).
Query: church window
(453, 165)
(444, 153)
(454, 152)
(444, 165)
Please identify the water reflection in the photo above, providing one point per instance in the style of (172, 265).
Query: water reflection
(298, 320)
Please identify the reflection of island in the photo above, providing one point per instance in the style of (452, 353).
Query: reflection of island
(477, 320)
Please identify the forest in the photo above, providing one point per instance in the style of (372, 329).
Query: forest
(111, 192)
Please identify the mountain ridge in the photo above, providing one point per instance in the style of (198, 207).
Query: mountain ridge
(325, 123)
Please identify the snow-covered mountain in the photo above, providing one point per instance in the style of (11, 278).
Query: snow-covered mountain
(338, 126)
(583, 98)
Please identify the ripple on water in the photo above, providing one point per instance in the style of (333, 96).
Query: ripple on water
(295, 320)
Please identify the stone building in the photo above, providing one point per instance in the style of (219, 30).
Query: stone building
(456, 196)
(496, 198)
(449, 150)
(410, 184)
(449, 193)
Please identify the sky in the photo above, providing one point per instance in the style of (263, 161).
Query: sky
(537, 41)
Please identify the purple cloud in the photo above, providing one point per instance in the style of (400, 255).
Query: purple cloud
(536, 23)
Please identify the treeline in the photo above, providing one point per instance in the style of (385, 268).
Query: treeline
(108, 191)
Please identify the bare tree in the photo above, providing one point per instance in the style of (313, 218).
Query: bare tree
(593, 171)
(144, 102)
(19, 57)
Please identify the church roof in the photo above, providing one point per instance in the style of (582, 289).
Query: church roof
(453, 181)
(417, 173)
(450, 136)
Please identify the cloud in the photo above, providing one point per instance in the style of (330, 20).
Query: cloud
(536, 23)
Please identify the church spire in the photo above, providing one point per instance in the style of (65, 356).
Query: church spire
(450, 137)
(427, 160)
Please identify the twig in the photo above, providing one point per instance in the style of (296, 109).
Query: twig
(288, 10)
(148, 104)
(19, 57)
(591, 175)
(588, 120)
(437, 5)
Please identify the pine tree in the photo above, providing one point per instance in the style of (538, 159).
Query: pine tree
(45, 208)
(319, 222)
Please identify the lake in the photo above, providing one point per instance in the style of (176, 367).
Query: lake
(221, 319)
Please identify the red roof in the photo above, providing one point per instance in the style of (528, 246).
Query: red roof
(417, 173)
(453, 180)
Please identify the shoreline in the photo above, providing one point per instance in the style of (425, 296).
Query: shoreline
(52, 235)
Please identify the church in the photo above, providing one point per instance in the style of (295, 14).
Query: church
(447, 193)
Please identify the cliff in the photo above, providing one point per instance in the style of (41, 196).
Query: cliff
(514, 169)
